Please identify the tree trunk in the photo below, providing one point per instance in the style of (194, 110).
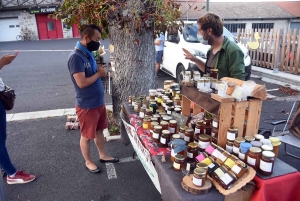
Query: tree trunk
(134, 64)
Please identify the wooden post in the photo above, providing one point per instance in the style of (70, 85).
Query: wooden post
(224, 123)
(239, 116)
(269, 49)
(266, 48)
(276, 51)
(291, 69)
(287, 53)
(253, 117)
(261, 52)
(282, 68)
(297, 57)
(186, 104)
(238, 35)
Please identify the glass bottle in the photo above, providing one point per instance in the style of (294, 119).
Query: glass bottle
(178, 164)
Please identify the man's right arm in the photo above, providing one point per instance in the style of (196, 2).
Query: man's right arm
(198, 62)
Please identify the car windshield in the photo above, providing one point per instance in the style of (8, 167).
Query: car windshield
(190, 33)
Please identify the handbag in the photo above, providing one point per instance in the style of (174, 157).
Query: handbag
(8, 96)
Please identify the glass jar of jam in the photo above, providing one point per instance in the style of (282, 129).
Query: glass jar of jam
(249, 138)
(159, 100)
(217, 151)
(167, 118)
(223, 157)
(170, 109)
(239, 168)
(215, 122)
(175, 136)
(214, 132)
(149, 112)
(199, 177)
(153, 107)
(152, 125)
(146, 123)
(192, 151)
(214, 73)
(157, 116)
(207, 121)
(177, 101)
(137, 106)
(165, 138)
(182, 131)
(230, 162)
(196, 137)
(253, 157)
(202, 165)
(204, 141)
(218, 173)
(177, 110)
(236, 145)
(178, 164)
(154, 119)
(232, 133)
(229, 146)
(188, 135)
(258, 137)
(167, 84)
(214, 139)
(212, 167)
(196, 75)
(130, 100)
(156, 133)
(200, 127)
(227, 180)
(164, 125)
(173, 126)
(266, 164)
(142, 112)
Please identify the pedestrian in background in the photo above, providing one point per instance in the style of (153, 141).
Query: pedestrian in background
(159, 50)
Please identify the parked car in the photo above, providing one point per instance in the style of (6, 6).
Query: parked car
(185, 36)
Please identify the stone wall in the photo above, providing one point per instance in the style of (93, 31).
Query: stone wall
(28, 25)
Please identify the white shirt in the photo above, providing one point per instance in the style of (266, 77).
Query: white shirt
(161, 37)
(1, 85)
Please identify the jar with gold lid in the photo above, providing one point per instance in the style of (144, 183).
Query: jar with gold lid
(236, 145)
(232, 133)
(214, 73)
(149, 112)
(177, 101)
(249, 138)
(207, 121)
(204, 141)
(154, 119)
(142, 112)
(200, 127)
(157, 116)
(192, 151)
(178, 163)
(239, 168)
(156, 134)
(152, 125)
(253, 157)
(229, 146)
(218, 173)
(165, 125)
(199, 177)
(188, 135)
(227, 180)
(266, 164)
(146, 123)
(215, 122)
(137, 106)
(182, 131)
(165, 137)
(167, 118)
(175, 136)
(173, 126)
(202, 165)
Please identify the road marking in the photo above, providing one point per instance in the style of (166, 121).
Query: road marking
(272, 89)
(111, 170)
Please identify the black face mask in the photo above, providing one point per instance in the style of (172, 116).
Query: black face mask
(93, 45)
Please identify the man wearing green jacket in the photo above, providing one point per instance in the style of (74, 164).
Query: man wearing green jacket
(223, 55)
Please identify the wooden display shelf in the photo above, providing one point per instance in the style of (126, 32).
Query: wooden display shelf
(244, 115)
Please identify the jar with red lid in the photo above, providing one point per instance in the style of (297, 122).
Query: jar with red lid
(253, 157)
(173, 126)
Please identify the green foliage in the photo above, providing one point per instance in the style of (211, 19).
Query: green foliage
(114, 129)
(140, 14)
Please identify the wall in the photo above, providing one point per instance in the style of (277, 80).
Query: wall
(28, 24)
(278, 24)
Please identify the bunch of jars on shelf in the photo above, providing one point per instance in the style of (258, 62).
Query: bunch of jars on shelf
(256, 151)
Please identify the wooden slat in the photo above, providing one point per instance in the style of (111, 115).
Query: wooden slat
(287, 51)
(250, 34)
(257, 50)
(238, 35)
(276, 48)
(239, 116)
(224, 123)
(186, 103)
(283, 41)
(261, 52)
(266, 47)
(254, 51)
(269, 48)
(291, 66)
(297, 61)
(197, 109)
(253, 117)
(222, 99)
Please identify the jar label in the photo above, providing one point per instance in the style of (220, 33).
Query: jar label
(213, 134)
(203, 145)
(133, 103)
(200, 157)
(236, 169)
(216, 153)
(229, 162)
(235, 150)
(136, 107)
(145, 126)
(219, 172)
(187, 78)
(207, 161)
(173, 153)
(211, 166)
(229, 148)
(190, 155)
(251, 161)
(155, 98)
(241, 156)
(163, 140)
(222, 157)
(197, 182)
(264, 166)
(181, 135)
(172, 130)
(226, 178)
(151, 131)
(155, 135)
(186, 138)
(197, 130)
(215, 124)
(230, 136)
(159, 100)
(166, 108)
(169, 112)
(142, 114)
(176, 165)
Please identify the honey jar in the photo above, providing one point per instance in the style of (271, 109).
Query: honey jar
(200, 127)
(173, 126)
(178, 163)
(142, 112)
(192, 151)
(215, 122)
(223, 157)
(157, 116)
(188, 135)
(153, 124)
(165, 125)
(266, 164)
(204, 141)
(227, 180)
(218, 173)
(182, 131)
(137, 106)
(214, 73)
(199, 177)
(149, 112)
(156, 133)
(239, 168)
(165, 138)
(276, 144)
(229, 146)
(253, 157)
(232, 133)
(146, 123)
(236, 145)
(202, 165)
(230, 162)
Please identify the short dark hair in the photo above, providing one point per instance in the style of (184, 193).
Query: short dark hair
(213, 21)
(89, 30)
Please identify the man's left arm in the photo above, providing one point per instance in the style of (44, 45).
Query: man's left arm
(236, 64)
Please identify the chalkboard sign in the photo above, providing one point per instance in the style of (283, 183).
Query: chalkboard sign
(181, 119)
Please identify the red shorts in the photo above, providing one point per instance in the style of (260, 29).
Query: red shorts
(91, 120)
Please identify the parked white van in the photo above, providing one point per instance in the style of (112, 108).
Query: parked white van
(174, 62)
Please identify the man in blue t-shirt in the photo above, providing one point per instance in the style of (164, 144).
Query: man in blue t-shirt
(90, 106)
(159, 50)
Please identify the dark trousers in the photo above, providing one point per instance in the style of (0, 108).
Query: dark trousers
(5, 162)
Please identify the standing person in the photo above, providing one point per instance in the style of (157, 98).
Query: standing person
(224, 54)
(90, 106)
(13, 176)
(159, 50)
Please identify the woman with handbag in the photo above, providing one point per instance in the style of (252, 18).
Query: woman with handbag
(13, 176)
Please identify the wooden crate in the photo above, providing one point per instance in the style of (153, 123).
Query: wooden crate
(244, 115)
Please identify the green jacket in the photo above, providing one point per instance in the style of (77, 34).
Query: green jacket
(230, 61)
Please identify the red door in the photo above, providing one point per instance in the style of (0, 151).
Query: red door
(48, 28)
(75, 31)
(51, 30)
(42, 29)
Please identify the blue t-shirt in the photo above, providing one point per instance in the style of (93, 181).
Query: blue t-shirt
(91, 96)
(160, 47)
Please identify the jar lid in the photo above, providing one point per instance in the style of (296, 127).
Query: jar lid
(239, 139)
(188, 72)
(200, 171)
(266, 147)
(193, 145)
(255, 149)
(167, 118)
(259, 136)
(169, 101)
(167, 82)
(178, 92)
(166, 132)
(229, 142)
(176, 136)
(204, 137)
(178, 106)
(249, 138)
(177, 109)
(215, 70)
(158, 127)
(266, 142)
(154, 123)
(256, 143)
(275, 144)
(179, 157)
(156, 115)
(274, 139)
(138, 101)
(200, 123)
(242, 163)
(173, 122)
(196, 72)
(268, 154)
(164, 123)
(176, 98)
(147, 119)
(245, 145)
(152, 103)
(233, 128)
(183, 127)
(154, 119)
(148, 110)
(189, 130)
(202, 165)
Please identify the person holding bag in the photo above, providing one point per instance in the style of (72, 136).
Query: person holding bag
(13, 176)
